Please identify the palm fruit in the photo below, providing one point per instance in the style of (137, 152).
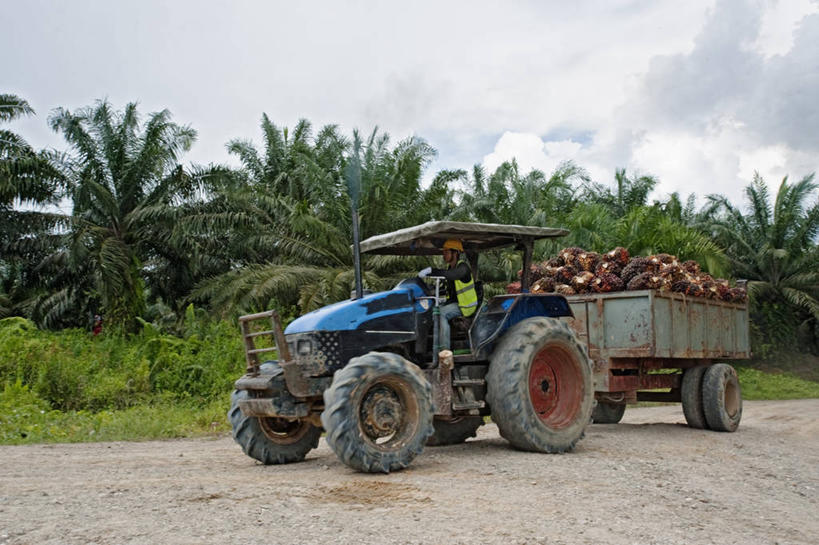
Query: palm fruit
(636, 266)
(687, 288)
(581, 281)
(565, 274)
(587, 261)
(673, 272)
(556, 261)
(723, 289)
(618, 255)
(691, 267)
(569, 255)
(648, 281)
(544, 285)
(606, 282)
(665, 259)
(535, 272)
(550, 271)
(514, 287)
(738, 295)
(564, 289)
(610, 267)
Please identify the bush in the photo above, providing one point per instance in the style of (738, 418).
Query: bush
(72, 370)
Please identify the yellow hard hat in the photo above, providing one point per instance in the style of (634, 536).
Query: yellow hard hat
(453, 244)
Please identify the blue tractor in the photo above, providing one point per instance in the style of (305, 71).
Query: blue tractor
(368, 372)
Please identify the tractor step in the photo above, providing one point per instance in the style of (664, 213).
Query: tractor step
(468, 382)
(468, 405)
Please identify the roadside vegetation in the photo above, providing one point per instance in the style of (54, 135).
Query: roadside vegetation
(169, 254)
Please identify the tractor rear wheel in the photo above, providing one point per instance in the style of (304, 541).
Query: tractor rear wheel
(378, 412)
(452, 432)
(721, 397)
(540, 386)
(608, 413)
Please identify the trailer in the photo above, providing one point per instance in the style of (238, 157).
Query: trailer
(661, 346)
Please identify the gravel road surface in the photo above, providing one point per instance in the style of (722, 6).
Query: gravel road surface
(648, 480)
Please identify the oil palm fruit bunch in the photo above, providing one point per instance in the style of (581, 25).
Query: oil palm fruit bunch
(544, 284)
(587, 261)
(618, 255)
(581, 282)
(606, 282)
(564, 289)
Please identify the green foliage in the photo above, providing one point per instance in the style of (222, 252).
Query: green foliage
(72, 386)
(757, 384)
(25, 418)
(773, 246)
(72, 370)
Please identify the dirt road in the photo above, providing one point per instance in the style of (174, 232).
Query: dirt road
(648, 480)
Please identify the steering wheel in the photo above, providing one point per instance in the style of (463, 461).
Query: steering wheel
(416, 281)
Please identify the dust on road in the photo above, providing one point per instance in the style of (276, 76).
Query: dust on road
(648, 480)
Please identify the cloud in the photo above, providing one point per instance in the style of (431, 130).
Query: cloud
(703, 120)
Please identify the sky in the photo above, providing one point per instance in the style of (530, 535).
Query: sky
(700, 94)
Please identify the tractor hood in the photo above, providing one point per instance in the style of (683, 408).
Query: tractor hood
(355, 314)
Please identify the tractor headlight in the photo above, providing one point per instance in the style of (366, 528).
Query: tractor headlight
(304, 348)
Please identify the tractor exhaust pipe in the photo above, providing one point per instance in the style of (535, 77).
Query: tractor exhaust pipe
(359, 290)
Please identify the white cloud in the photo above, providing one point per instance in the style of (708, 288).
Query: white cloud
(686, 90)
(704, 119)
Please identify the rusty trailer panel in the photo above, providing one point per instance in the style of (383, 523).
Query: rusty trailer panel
(629, 334)
(653, 324)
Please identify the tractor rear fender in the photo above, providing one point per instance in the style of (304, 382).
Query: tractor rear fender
(504, 311)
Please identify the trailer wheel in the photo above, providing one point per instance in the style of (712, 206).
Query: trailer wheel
(691, 393)
(540, 386)
(608, 413)
(452, 432)
(721, 397)
(271, 440)
(378, 412)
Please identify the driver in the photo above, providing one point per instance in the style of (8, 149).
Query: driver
(462, 299)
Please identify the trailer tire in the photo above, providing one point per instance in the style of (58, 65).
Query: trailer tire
(378, 412)
(722, 398)
(455, 431)
(540, 386)
(691, 394)
(271, 440)
(608, 413)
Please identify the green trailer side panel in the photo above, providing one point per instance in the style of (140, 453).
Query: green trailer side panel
(651, 324)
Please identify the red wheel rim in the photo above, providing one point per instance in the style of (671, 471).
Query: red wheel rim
(555, 386)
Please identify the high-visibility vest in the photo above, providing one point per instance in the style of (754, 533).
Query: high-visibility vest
(467, 296)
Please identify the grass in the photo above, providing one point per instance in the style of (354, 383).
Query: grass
(24, 418)
(69, 386)
(758, 384)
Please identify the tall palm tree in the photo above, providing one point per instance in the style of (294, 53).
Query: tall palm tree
(774, 246)
(286, 222)
(28, 182)
(117, 168)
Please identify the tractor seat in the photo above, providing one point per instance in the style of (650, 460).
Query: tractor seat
(459, 325)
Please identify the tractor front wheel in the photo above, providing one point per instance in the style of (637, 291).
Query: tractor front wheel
(378, 412)
(271, 440)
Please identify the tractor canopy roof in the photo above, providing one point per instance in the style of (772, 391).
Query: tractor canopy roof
(428, 238)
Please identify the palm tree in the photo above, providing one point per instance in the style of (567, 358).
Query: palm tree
(285, 219)
(117, 168)
(629, 192)
(774, 247)
(28, 182)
